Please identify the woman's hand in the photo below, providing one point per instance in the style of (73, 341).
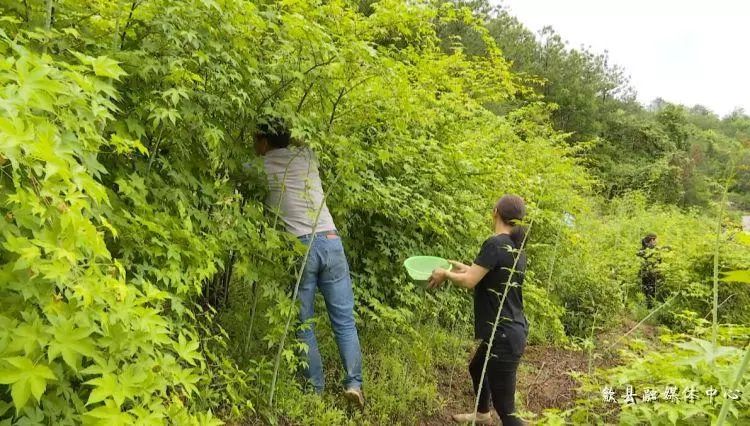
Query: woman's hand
(437, 278)
(458, 267)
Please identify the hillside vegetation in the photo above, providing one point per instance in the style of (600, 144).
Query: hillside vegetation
(143, 282)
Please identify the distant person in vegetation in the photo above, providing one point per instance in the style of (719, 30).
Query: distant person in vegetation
(296, 191)
(650, 275)
(498, 268)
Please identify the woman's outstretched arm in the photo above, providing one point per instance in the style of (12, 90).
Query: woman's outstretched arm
(463, 275)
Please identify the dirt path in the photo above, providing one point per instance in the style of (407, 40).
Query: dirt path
(543, 382)
(544, 379)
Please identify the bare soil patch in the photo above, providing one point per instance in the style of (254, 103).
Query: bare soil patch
(544, 378)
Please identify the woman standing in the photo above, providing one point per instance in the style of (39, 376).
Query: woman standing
(649, 272)
(498, 268)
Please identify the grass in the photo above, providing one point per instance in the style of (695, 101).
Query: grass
(402, 373)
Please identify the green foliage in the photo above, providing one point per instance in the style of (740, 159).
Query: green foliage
(128, 212)
(545, 314)
(675, 154)
(606, 240)
(133, 232)
(687, 359)
(683, 362)
(79, 335)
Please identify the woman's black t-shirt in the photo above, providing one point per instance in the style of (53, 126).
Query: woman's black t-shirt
(498, 256)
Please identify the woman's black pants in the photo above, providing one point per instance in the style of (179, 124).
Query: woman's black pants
(648, 284)
(499, 382)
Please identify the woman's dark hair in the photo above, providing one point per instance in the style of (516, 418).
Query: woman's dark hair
(647, 240)
(512, 210)
(275, 132)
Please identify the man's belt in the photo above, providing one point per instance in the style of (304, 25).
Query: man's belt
(327, 234)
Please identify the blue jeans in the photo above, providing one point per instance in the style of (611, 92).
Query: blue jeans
(328, 270)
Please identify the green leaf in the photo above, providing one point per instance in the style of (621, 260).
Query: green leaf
(72, 343)
(26, 379)
(673, 415)
(737, 276)
(29, 337)
(704, 351)
(208, 419)
(187, 350)
(105, 67)
(105, 387)
(110, 414)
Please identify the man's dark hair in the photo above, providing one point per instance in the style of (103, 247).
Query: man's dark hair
(276, 132)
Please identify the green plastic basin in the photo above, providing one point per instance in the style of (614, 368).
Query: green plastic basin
(420, 267)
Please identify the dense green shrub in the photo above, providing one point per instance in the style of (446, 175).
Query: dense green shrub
(133, 232)
(81, 339)
(144, 161)
(606, 239)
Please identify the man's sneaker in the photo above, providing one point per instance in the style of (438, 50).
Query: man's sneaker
(355, 395)
(482, 418)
